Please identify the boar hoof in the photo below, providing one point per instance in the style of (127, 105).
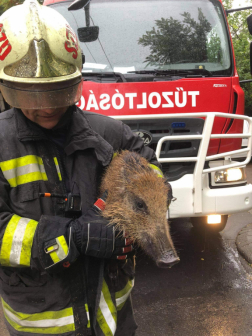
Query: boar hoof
(168, 259)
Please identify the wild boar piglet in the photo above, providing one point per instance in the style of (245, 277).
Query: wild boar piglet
(137, 204)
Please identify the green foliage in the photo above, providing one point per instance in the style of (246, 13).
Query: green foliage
(241, 39)
(214, 52)
(171, 40)
(6, 4)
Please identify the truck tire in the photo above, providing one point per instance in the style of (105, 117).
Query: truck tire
(200, 224)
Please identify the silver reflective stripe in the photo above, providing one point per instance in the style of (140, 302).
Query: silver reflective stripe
(58, 168)
(107, 314)
(124, 298)
(156, 170)
(19, 171)
(60, 252)
(88, 237)
(88, 317)
(50, 323)
(17, 242)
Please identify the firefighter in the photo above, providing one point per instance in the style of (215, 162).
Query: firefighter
(59, 270)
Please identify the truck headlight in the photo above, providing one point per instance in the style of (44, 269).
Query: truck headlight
(214, 219)
(230, 175)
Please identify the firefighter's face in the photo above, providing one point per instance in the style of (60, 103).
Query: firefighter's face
(47, 118)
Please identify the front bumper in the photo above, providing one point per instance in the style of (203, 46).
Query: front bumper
(194, 196)
(223, 201)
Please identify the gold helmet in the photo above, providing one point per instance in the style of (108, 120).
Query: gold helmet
(40, 58)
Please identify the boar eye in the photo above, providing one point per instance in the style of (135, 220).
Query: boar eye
(140, 205)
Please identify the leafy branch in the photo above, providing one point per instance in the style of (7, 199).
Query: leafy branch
(6, 4)
(241, 40)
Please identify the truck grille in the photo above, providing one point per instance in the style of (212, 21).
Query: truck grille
(172, 149)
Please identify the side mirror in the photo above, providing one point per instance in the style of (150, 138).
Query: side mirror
(249, 22)
(88, 34)
(78, 4)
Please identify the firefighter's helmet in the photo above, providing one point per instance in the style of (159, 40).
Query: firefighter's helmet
(40, 58)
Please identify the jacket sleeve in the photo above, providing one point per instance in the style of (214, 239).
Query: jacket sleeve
(54, 246)
(22, 239)
(16, 233)
(133, 142)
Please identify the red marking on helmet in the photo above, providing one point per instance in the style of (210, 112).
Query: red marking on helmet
(71, 45)
(5, 47)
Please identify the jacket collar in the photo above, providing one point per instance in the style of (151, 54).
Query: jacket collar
(27, 130)
(80, 135)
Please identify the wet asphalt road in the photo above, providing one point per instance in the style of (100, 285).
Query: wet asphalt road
(209, 293)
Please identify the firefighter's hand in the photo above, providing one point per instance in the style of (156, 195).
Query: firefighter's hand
(94, 236)
(123, 247)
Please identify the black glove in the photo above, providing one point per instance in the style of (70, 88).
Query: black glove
(94, 236)
(59, 241)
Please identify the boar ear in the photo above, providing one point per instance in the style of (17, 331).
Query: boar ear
(170, 195)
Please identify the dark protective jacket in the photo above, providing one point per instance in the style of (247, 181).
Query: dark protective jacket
(87, 297)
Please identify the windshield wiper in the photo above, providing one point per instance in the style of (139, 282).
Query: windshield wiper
(118, 76)
(181, 72)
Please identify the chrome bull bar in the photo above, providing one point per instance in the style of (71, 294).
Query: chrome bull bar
(204, 138)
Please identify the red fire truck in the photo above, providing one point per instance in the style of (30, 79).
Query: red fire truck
(167, 69)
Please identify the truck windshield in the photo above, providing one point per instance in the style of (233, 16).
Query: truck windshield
(163, 35)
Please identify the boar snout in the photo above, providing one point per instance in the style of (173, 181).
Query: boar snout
(160, 248)
(168, 259)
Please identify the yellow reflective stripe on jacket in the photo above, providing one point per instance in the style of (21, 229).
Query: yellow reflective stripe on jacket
(58, 168)
(61, 252)
(122, 296)
(17, 242)
(88, 316)
(107, 315)
(23, 170)
(51, 322)
(156, 170)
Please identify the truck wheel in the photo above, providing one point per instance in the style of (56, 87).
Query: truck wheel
(200, 224)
